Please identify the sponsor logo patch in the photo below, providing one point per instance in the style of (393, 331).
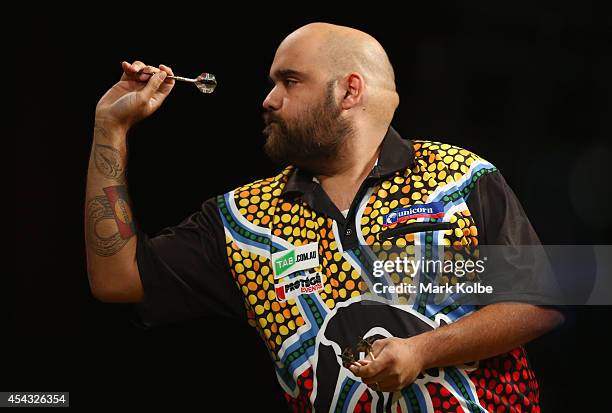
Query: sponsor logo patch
(304, 284)
(431, 210)
(300, 258)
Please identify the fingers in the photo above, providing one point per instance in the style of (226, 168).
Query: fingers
(384, 386)
(133, 68)
(388, 367)
(153, 76)
(166, 69)
(137, 66)
(377, 378)
(144, 72)
(138, 70)
(153, 84)
(128, 72)
(169, 71)
(375, 374)
(375, 364)
(369, 369)
(378, 345)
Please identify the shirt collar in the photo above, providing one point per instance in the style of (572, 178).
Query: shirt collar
(396, 154)
(315, 179)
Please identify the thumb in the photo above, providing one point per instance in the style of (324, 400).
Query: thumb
(379, 345)
(153, 84)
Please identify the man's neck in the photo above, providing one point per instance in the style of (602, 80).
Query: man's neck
(357, 162)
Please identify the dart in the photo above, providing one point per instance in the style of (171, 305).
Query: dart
(205, 82)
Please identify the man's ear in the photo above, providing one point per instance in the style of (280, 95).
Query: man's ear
(354, 85)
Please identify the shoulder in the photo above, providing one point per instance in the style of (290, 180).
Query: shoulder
(255, 200)
(455, 163)
(273, 186)
(432, 151)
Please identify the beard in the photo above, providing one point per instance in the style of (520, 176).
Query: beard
(313, 140)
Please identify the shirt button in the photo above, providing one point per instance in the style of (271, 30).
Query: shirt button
(348, 232)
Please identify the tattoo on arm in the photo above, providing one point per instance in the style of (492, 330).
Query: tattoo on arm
(114, 206)
(100, 130)
(108, 162)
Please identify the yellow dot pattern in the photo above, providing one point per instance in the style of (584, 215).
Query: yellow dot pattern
(435, 164)
(294, 221)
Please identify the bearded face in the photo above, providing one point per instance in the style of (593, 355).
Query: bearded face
(312, 139)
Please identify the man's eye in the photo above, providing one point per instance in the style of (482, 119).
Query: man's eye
(290, 82)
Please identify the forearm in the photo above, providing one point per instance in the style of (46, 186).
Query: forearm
(493, 330)
(109, 226)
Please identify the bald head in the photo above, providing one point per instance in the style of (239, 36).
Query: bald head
(338, 51)
(343, 49)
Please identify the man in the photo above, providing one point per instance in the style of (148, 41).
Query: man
(293, 252)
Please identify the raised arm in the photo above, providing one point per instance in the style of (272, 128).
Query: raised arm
(109, 225)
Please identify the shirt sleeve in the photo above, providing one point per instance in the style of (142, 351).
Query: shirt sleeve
(518, 267)
(498, 214)
(185, 273)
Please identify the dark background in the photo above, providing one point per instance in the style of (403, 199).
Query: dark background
(527, 87)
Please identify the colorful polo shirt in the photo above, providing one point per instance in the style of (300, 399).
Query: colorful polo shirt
(279, 252)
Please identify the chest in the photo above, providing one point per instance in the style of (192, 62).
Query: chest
(299, 298)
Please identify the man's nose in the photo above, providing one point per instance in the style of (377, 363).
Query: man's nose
(272, 101)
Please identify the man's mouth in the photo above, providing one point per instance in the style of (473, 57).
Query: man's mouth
(269, 126)
(270, 118)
